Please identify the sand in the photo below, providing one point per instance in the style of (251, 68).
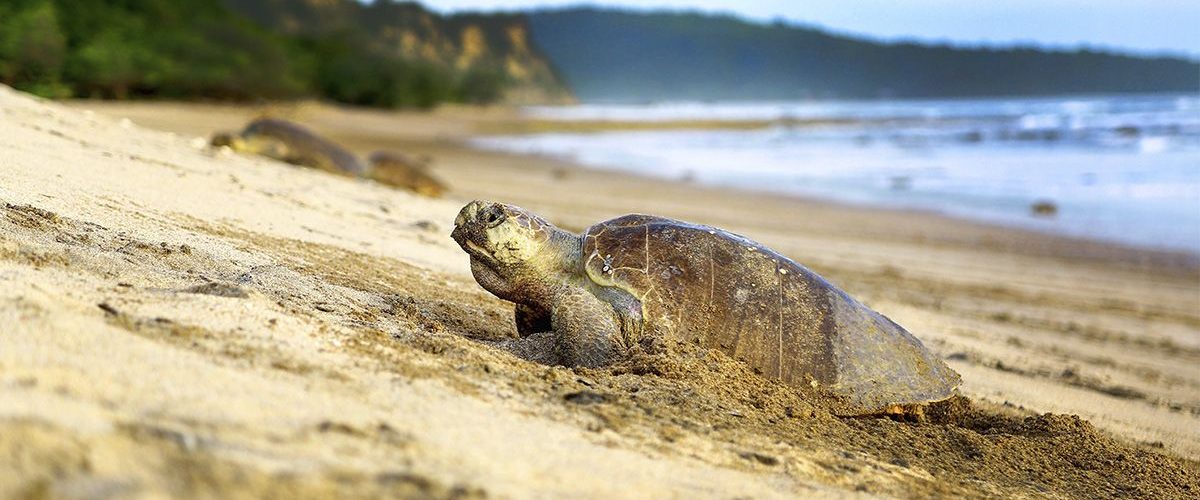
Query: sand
(176, 321)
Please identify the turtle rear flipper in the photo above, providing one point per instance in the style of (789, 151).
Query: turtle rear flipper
(880, 365)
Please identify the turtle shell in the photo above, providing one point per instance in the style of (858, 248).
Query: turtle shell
(700, 284)
(301, 146)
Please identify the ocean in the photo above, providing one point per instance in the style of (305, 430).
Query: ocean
(1116, 168)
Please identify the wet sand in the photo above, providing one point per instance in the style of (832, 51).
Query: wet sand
(185, 322)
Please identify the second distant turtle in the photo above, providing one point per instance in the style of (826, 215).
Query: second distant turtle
(403, 171)
(292, 143)
(1043, 208)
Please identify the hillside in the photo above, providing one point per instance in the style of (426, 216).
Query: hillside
(142, 48)
(485, 49)
(634, 56)
(385, 55)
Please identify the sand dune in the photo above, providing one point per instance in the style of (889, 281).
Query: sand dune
(183, 322)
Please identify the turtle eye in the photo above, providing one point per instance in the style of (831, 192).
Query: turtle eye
(493, 217)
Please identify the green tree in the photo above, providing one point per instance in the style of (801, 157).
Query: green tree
(243, 50)
(110, 64)
(481, 85)
(32, 48)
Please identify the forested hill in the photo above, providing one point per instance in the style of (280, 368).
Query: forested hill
(386, 54)
(637, 56)
(482, 50)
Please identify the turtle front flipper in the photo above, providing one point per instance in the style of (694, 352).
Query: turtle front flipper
(587, 329)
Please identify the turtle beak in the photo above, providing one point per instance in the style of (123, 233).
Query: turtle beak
(457, 235)
(464, 224)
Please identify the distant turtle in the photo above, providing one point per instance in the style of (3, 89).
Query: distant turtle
(291, 143)
(651, 282)
(400, 170)
(1043, 208)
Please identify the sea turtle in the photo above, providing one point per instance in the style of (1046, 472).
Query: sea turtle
(646, 282)
(292, 143)
(1043, 208)
(400, 170)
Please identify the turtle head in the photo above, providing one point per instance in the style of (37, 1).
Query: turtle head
(228, 139)
(512, 251)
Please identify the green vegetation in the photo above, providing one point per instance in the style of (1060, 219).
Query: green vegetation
(630, 56)
(32, 48)
(143, 48)
(245, 50)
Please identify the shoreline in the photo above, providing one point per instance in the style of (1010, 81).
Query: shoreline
(1185, 258)
(456, 126)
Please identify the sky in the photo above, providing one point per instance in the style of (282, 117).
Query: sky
(1143, 26)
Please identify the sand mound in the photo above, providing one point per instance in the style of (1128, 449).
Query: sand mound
(177, 322)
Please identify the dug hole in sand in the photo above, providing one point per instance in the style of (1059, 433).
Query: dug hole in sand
(181, 322)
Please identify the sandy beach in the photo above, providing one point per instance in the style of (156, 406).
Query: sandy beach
(181, 321)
